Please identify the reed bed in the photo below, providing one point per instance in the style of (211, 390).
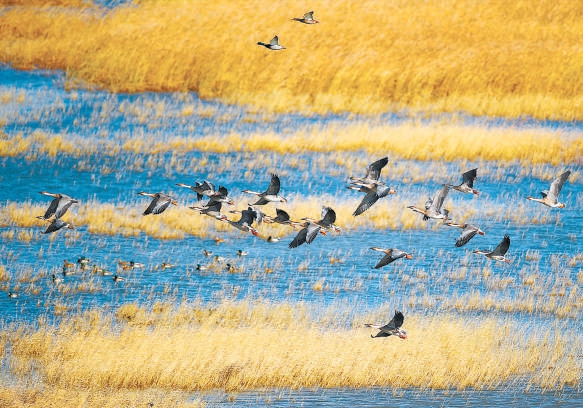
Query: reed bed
(402, 142)
(249, 346)
(126, 219)
(512, 59)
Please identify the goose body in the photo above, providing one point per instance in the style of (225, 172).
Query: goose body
(393, 328)
(271, 194)
(308, 18)
(391, 255)
(499, 253)
(550, 198)
(467, 185)
(273, 44)
(59, 206)
(159, 203)
(469, 231)
(433, 206)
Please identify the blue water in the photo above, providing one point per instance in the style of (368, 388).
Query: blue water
(38, 101)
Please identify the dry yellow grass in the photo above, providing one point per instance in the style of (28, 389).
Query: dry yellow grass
(126, 219)
(247, 346)
(490, 57)
(410, 141)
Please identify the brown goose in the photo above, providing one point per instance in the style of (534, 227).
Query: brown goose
(374, 191)
(468, 232)
(160, 202)
(307, 19)
(551, 197)
(56, 225)
(212, 210)
(59, 206)
(201, 189)
(467, 185)
(245, 222)
(312, 228)
(391, 255)
(498, 254)
(273, 44)
(433, 206)
(373, 172)
(393, 328)
(269, 195)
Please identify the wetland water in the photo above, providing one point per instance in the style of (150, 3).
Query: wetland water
(335, 269)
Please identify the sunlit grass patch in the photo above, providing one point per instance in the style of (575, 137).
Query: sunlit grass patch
(126, 219)
(385, 59)
(409, 141)
(327, 349)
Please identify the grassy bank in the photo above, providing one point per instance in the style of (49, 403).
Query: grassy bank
(488, 58)
(247, 346)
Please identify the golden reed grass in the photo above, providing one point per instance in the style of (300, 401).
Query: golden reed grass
(490, 57)
(176, 222)
(407, 141)
(248, 346)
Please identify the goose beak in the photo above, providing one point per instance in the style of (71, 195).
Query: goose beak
(48, 194)
(409, 256)
(173, 202)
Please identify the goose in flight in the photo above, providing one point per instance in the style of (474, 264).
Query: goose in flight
(498, 254)
(59, 206)
(373, 172)
(312, 228)
(205, 188)
(391, 255)
(374, 191)
(244, 223)
(56, 225)
(393, 328)
(469, 231)
(467, 185)
(269, 195)
(273, 44)
(307, 19)
(212, 210)
(208, 189)
(433, 206)
(551, 197)
(160, 202)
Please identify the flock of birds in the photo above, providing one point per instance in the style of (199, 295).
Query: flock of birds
(370, 184)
